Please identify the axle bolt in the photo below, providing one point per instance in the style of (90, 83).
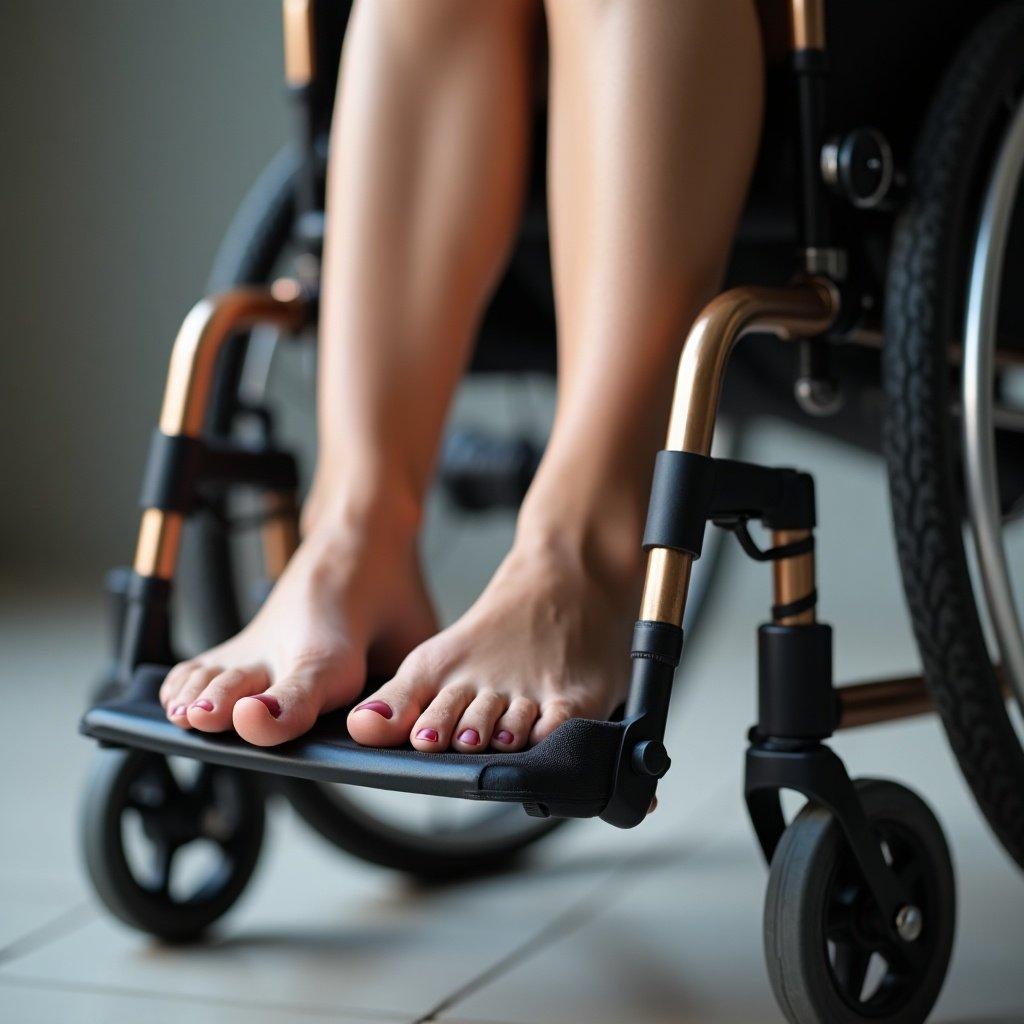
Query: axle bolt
(909, 923)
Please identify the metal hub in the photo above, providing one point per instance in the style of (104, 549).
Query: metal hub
(909, 923)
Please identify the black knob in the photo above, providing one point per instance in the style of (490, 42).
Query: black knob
(859, 166)
(650, 758)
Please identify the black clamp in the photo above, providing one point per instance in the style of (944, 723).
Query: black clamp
(177, 464)
(643, 759)
(688, 490)
(738, 527)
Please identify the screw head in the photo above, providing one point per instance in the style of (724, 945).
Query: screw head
(909, 923)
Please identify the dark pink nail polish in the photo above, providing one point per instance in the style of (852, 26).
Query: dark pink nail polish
(179, 709)
(504, 736)
(272, 703)
(381, 707)
(430, 735)
(469, 736)
(203, 705)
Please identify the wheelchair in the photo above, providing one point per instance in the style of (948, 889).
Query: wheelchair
(872, 269)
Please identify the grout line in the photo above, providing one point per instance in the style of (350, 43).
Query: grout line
(57, 927)
(51, 984)
(564, 924)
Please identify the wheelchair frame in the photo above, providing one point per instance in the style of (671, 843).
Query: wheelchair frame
(583, 768)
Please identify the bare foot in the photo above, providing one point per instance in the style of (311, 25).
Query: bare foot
(548, 640)
(351, 597)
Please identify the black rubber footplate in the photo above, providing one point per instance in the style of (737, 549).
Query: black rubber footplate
(569, 774)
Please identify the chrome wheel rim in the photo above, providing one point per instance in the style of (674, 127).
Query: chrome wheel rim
(979, 414)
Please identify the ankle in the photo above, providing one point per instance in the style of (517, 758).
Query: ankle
(606, 548)
(366, 507)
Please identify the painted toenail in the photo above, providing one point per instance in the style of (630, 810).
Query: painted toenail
(178, 709)
(430, 735)
(272, 703)
(504, 736)
(381, 707)
(203, 705)
(470, 736)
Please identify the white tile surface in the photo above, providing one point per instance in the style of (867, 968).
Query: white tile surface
(30, 1003)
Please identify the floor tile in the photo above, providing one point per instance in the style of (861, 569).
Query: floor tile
(29, 1003)
(322, 931)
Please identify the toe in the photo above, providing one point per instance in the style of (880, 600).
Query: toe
(473, 732)
(172, 681)
(211, 709)
(288, 708)
(385, 717)
(512, 729)
(553, 713)
(196, 681)
(434, 729)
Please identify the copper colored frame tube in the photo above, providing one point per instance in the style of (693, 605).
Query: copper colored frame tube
(280, 533)
(886, 700)
(800, 310)
(299, 50)
(793, 578)
(808, 24)
(189, 380)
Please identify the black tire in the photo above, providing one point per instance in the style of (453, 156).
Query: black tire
(927, 281)
(487, 845)
(816, 896)
(221, 806)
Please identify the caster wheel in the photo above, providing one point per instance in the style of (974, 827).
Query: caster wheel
(830, 956)
(169, 847)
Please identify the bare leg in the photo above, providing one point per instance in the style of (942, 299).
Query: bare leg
(656, 111)
(426, 176)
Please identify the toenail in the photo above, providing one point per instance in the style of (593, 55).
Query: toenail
(504, 736)
(178, 709)
(272, 703)
(430, 735)
(381, 707)
(470, 736)
(203, 705)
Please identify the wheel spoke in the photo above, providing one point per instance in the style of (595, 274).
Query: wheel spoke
(839, 919)
(907, 957)
(154, 789)
(159, 771)
(163, 861)
(910, 876)
(203, 791)
(851, 967)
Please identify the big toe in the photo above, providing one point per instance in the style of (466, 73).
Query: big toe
(384, 718)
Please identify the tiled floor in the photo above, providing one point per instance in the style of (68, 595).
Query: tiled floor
(658, 925)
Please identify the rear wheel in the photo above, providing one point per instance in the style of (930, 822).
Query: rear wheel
(942, 427)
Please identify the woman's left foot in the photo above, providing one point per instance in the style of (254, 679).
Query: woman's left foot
(546, 641)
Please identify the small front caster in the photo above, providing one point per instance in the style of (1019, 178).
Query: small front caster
(830, 955)
(169, 848)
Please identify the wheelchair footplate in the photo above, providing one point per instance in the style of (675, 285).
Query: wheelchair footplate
(568, 774)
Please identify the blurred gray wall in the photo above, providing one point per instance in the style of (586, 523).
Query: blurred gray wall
(129, 131)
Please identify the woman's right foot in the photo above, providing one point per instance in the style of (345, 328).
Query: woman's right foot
(353, 595)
